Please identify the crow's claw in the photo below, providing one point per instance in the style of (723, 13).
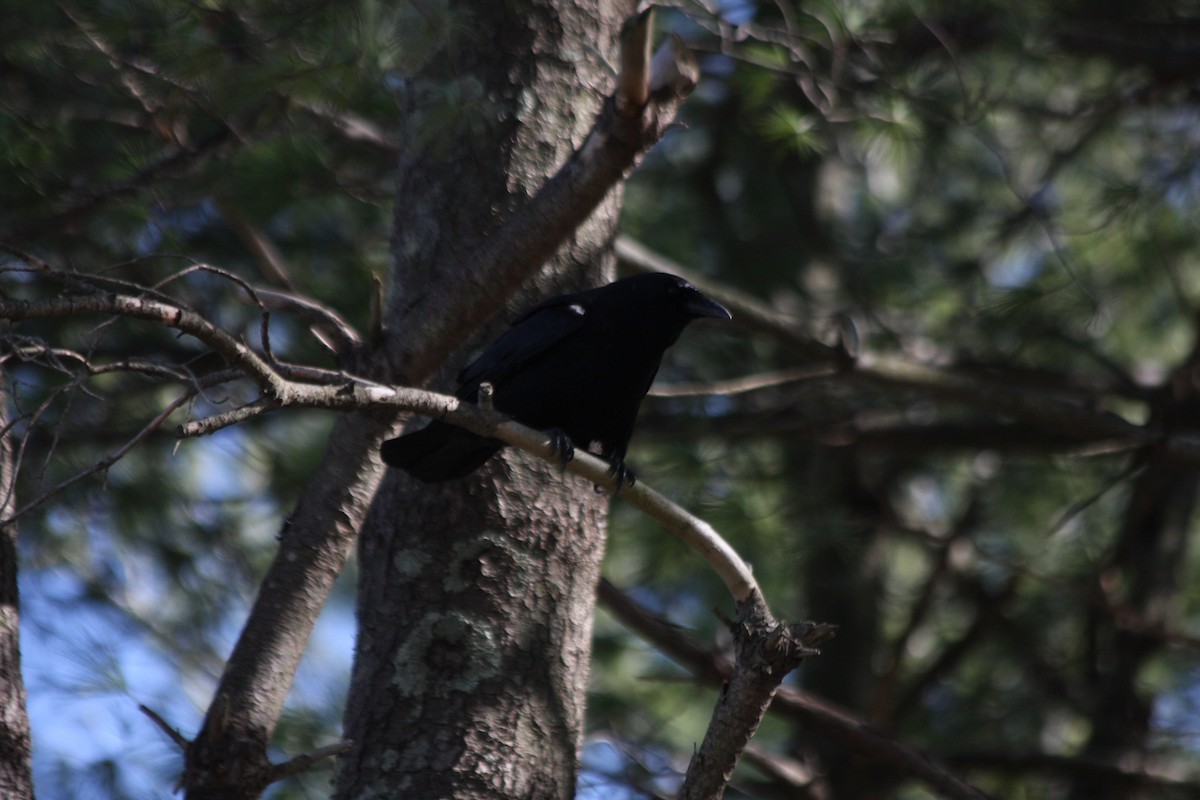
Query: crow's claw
(561, 445)
(622, 474)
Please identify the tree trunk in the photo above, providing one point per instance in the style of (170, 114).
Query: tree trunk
(16, 778)
(475, 597)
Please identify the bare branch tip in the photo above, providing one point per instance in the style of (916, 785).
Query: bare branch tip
(165, 726)
(633, 80)
(674, 69)
(302, 762)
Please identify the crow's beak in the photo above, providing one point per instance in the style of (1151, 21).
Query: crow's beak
(700, 306)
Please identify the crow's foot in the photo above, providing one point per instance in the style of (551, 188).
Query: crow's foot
(561, 446)
(622, 474)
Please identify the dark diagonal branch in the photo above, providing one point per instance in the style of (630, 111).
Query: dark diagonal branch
(1049, 410)
(821, 716)
(533, 233)
(766, 651)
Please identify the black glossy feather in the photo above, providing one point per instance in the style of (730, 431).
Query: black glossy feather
(578, 364)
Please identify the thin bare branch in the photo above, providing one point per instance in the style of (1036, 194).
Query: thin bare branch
(166, 727)
(304, 761)
(351, 126)
(799, 779)
(331, 328)
(173, 316)
(744, 385)
(107, 461)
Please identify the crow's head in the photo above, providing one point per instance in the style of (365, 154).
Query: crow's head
(669, 298)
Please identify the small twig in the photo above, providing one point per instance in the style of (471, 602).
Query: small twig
(375, 321)
(797, 777)
(226, 419)
(264, 334)
(673, 69)
(351, 126)
(749, 383)
(107, 461)
(201, 266)
(633, 79)
(302, 762)
(276, 772)
(331, 328)
(270, 260)
(174, 735)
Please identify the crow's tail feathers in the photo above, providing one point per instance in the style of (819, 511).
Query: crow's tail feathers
(439, 452)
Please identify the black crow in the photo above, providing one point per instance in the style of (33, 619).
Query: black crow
(576, 366)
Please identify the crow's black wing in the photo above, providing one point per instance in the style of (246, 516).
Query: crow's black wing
(531, 335)
(441, 451)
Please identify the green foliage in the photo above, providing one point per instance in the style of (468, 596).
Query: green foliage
(974, 186)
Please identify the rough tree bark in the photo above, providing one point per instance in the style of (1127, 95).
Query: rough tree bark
(475, 598)
(16, 778)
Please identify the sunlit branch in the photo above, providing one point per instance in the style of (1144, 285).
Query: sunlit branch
(173, 316)
(746, 384)
(633, 79)
(329, 327)
(694, 532)
(325, 324)
(279, 392)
